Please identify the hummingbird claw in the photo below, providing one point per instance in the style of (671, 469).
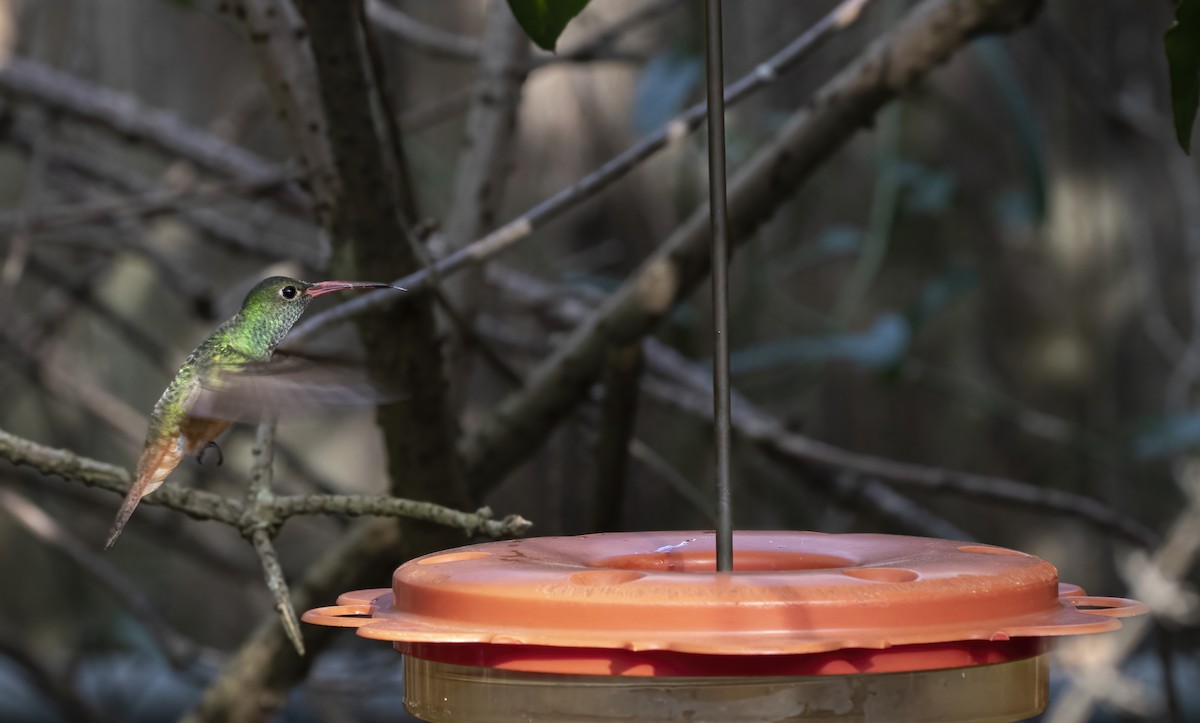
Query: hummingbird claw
(205, 448)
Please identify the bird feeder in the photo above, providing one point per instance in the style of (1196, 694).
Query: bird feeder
(808, 627)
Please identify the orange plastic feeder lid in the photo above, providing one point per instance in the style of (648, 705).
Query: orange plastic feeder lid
(794, 594)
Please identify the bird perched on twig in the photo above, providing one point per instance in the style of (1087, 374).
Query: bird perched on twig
(236, 374)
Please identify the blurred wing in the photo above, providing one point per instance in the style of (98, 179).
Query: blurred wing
(288, 384)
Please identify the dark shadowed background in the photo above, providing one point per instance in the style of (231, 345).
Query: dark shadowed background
(985, 300)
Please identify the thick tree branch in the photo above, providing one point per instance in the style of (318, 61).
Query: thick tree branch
(922, 41)
(366, 229)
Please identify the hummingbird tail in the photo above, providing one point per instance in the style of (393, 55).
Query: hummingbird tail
(158, 460)
(142, 487)
(160, 457)
(127, 507)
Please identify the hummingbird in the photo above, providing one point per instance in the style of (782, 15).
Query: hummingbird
(233, 375)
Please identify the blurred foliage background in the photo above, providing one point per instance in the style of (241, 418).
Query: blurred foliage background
(998, 277)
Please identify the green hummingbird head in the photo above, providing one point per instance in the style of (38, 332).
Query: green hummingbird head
(273, 306)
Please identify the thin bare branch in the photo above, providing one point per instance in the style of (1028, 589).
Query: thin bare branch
(277, 584)
(689, 388)
(220, 228)
(84, 296)
(755, 426)
(505, 334)
(70, 466)
(478, 522)
(595, 46)
(419, 35)
(451, 46)
(687, 490)
(876, 497)
(457, 101)
(277, 35)
(407, 207)
(437, 110)
(172, 538)
(918, 44)
(13, 267)
(75, 184)
(491, 127)
(259, 530)
(382, 101)
(482, 167)
(559, 308)
(128, 117)
(262, 473)
(501, 239)
(203, 505)
(75, 387)
(151, 203)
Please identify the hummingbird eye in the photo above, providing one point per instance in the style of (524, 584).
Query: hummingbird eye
(288, 292)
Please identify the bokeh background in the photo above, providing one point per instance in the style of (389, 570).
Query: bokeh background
(999, 276)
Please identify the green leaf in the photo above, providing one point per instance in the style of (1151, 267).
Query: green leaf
(544, 20)
(1182, 43)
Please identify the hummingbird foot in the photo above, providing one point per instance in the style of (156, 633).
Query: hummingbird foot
(213, 446)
